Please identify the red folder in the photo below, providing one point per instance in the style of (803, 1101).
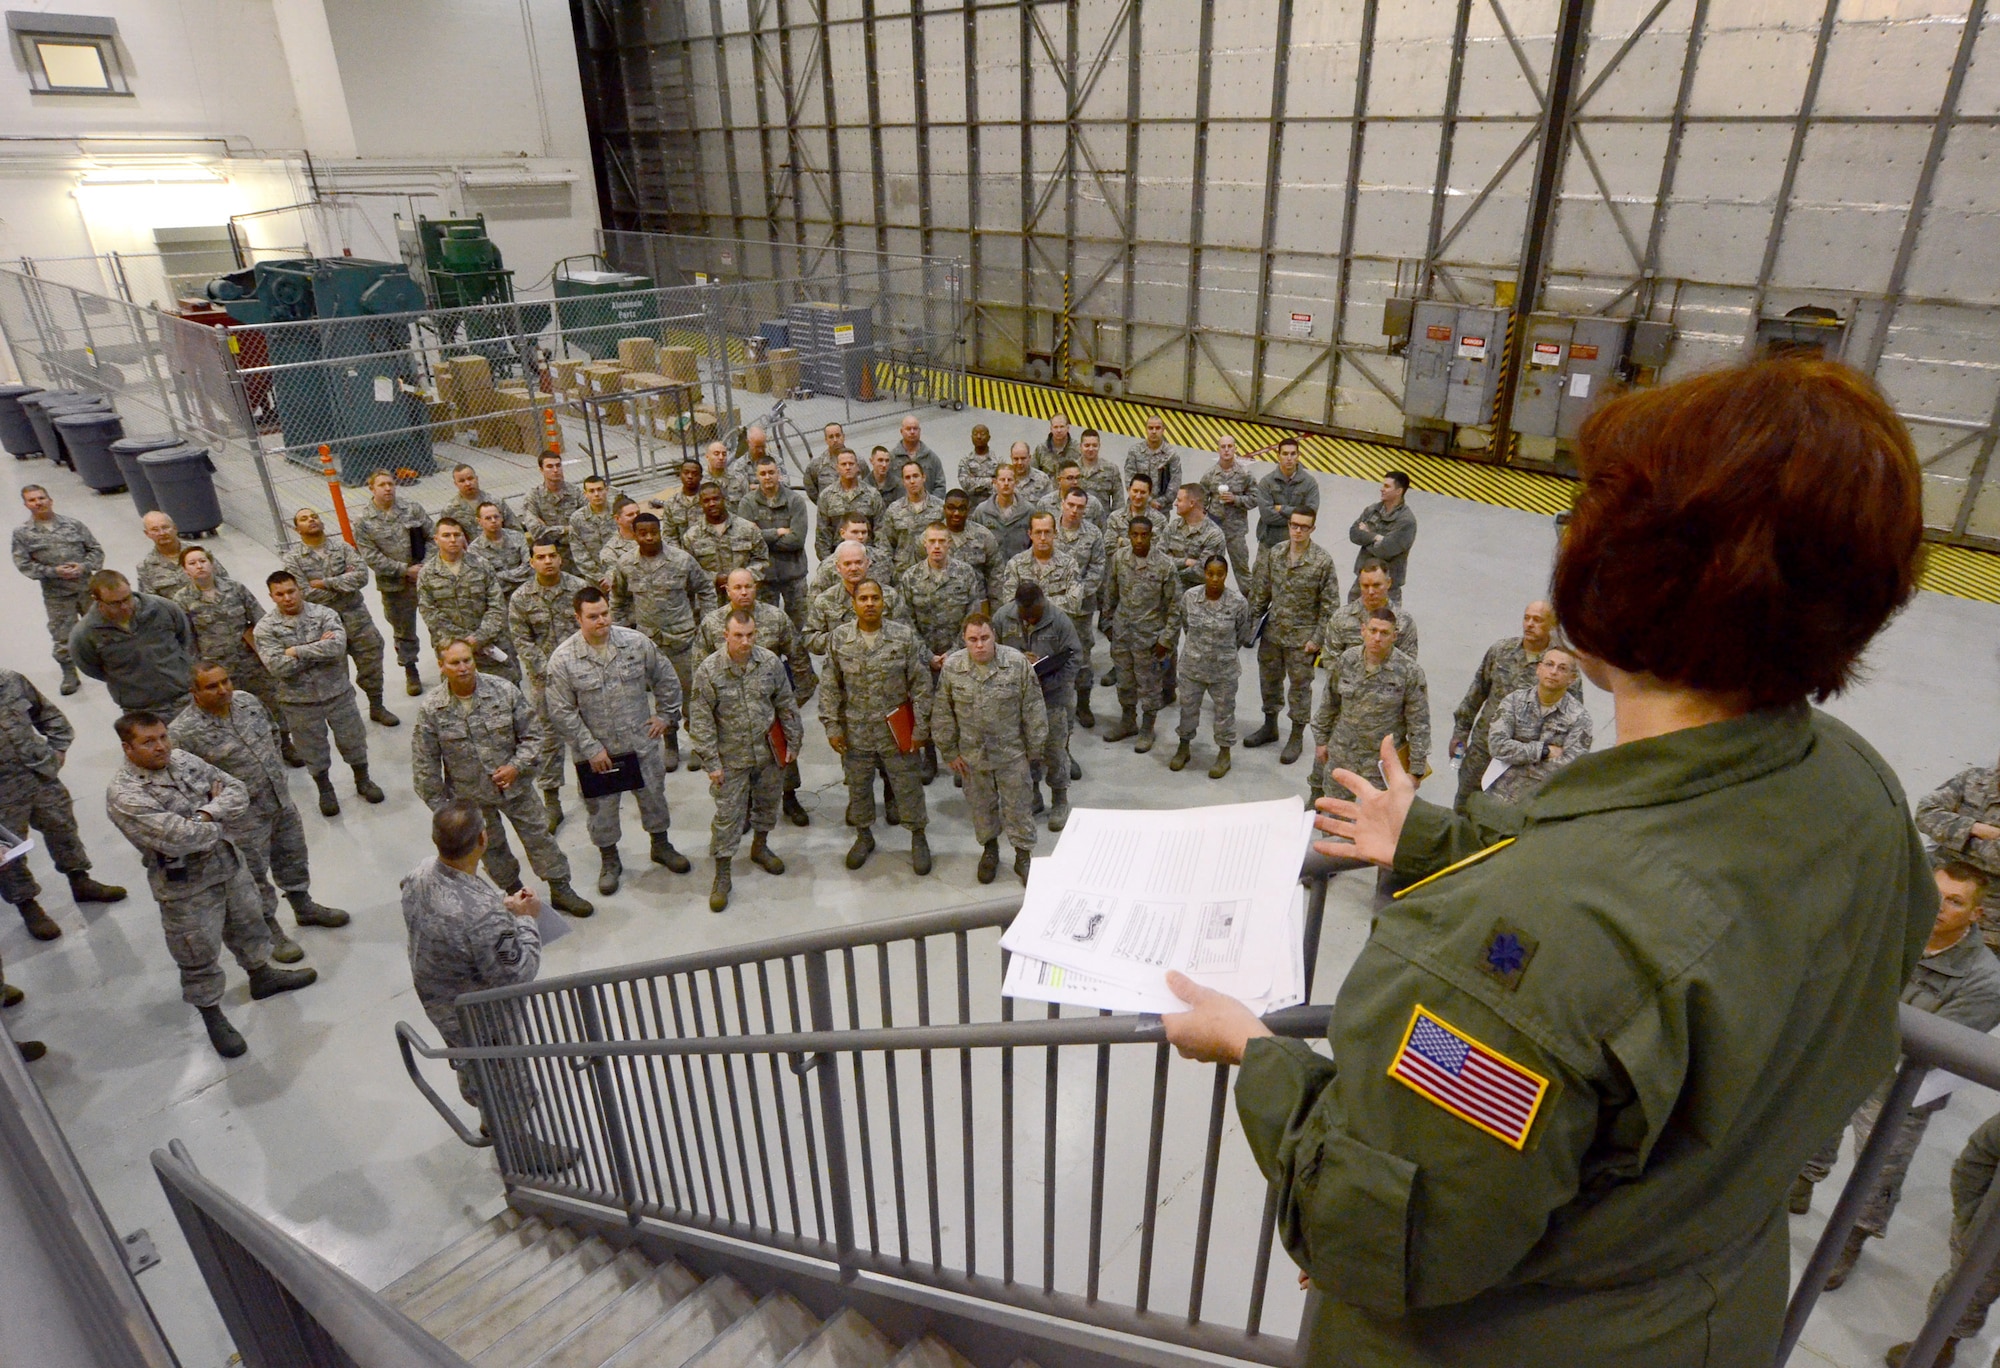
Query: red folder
(903, 726)
(780, 752)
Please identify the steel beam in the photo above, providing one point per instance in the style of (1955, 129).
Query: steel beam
(721, 51)
(760, 64)
(795, 152)
(974, 238)
(920, 94)
(1198, 196)
(877, 163)
(1670, 161)
(1028, 213)
(1072, 141)
(1447, 137)
(1801, 125)
(839, 216)
(1364, 70)
(1133, 37)
(1274, 155)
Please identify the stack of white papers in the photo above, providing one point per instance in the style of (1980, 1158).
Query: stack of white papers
(1212, 892)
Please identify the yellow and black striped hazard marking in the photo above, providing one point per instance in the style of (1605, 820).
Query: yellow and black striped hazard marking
(1955, 570)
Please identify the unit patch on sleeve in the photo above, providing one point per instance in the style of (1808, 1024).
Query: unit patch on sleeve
(1474, 1083)
(1507, 953)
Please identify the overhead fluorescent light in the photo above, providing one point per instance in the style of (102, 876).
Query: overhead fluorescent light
(506, 180)
(152, 175)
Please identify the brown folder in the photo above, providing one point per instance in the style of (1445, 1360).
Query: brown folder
(780, 752)
(903, 726)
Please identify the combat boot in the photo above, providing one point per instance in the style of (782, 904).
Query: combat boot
(763, 856)
(1125, 727)
(608, 870)
(563, 897)
(1038, 807)
(380, 715)
(1085, 718)
(663, 853)
(863, 847)
(284, 950)
(10, 996)
(1265, 734)
(1850, 1254)
(927, 767)
(1145, 741)
(70, 681)
(1058, 809)
(1799, 1200)
(268, 982)
(553, 802)
(673, 740)
(1221, 765)
(1294, 743)
(1947, 1353)
(1075, 770)
(32, 1050)
(718, 892)
(39, 923)
(306, 912)
(1021, 858)
(1109, 677)
(367, 787)
(289, 753)
(329, 803)
(920, 851)
(413, 682)
(86, 889)
(228, 1042)
(1181, 757)
(989, 861)
(795, 813)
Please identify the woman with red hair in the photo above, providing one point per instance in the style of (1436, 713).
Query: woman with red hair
(1584, 1053)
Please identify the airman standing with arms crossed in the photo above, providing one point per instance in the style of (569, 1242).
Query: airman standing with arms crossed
(1140, 595)
(59, 553)
(304, 647)
(35, 739)
(392, 534)
(1373, 691)
(333, 575)
(459, 600)
(663, 593)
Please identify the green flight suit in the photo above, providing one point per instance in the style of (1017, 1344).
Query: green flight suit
(1699, 941)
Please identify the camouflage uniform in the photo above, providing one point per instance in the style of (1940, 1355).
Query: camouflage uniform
(505, 560)
(313, 688)
(1972, 1197)
(201, 883)
(1181, 542)
(244, 746)
(821, 471)
(455, 749)
(601, 700)
(826, 574)
(39, 547)
(345, 574)
(835, 503)
(975, 475)
(34, 735)
(980, 549)
(1505, 669)
(940, 601)
(677, 510)
(1103, 483)
(1053, 642)
(1060, 577)
(1341, 631)
(1035, 489)
(1361, 706)
(220, 618)
(538, 619)
(162, 575)
(733, 544)
(1048, 459)
(833, 606)
(1217, 629)
(462, 938)
(903, 524)
(1233, 519)
(1009, 526)
(1118, 528)
(1140, 597)
(1521, 735)
(992, 716)
(382, 536)
(466, 512)
(664, 596)
(464, 601)
(1162, 467)
(785, 585)
(775, 634)
(1946, 817)
(730, 712)
(545, 514)
(864, 682)
(1298, 598)
(589, 534)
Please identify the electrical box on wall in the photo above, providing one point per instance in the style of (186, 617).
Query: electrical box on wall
(1567, 365)
(1453, 368)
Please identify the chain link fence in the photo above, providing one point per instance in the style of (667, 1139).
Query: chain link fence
(626, 383)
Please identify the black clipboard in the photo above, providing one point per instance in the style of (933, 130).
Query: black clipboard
(1263, 621)
(624, 776)
(420, 539)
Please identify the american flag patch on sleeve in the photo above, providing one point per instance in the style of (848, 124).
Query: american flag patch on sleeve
(1473, 1083)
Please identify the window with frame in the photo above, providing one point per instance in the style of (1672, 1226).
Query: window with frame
(69, 54)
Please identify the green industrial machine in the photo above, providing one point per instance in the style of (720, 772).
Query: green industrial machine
(598, 307)
(455, 262)
(336, 331)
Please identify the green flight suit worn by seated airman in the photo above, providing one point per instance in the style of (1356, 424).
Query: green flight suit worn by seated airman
(1698, 940)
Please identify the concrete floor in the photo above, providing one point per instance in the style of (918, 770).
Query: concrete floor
(318, 1128)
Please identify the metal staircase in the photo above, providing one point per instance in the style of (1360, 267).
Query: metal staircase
(522, 1293)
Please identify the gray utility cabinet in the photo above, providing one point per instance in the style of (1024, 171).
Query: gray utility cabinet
(1452, 370)
(1567, 365)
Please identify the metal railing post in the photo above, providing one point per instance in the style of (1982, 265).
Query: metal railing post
(610, 1107)
(819, 1004)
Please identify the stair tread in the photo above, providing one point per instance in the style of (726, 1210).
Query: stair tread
(483, 1331)
(930, 1352)
(452, 1255)
(471, 1269)
(568, 1312)
(495, 1286)
(651, 1327)
(762, 1339)
(848, 1340)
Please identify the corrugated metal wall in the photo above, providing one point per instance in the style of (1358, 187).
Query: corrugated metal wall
(1217, 199)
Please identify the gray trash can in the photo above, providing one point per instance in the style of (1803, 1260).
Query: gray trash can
(88, 437)
(17, 434)
(183, 479)
(37, 406)
(126, 452)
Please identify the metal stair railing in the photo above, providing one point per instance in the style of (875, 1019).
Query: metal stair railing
(285, 1306)
(800, 1094)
